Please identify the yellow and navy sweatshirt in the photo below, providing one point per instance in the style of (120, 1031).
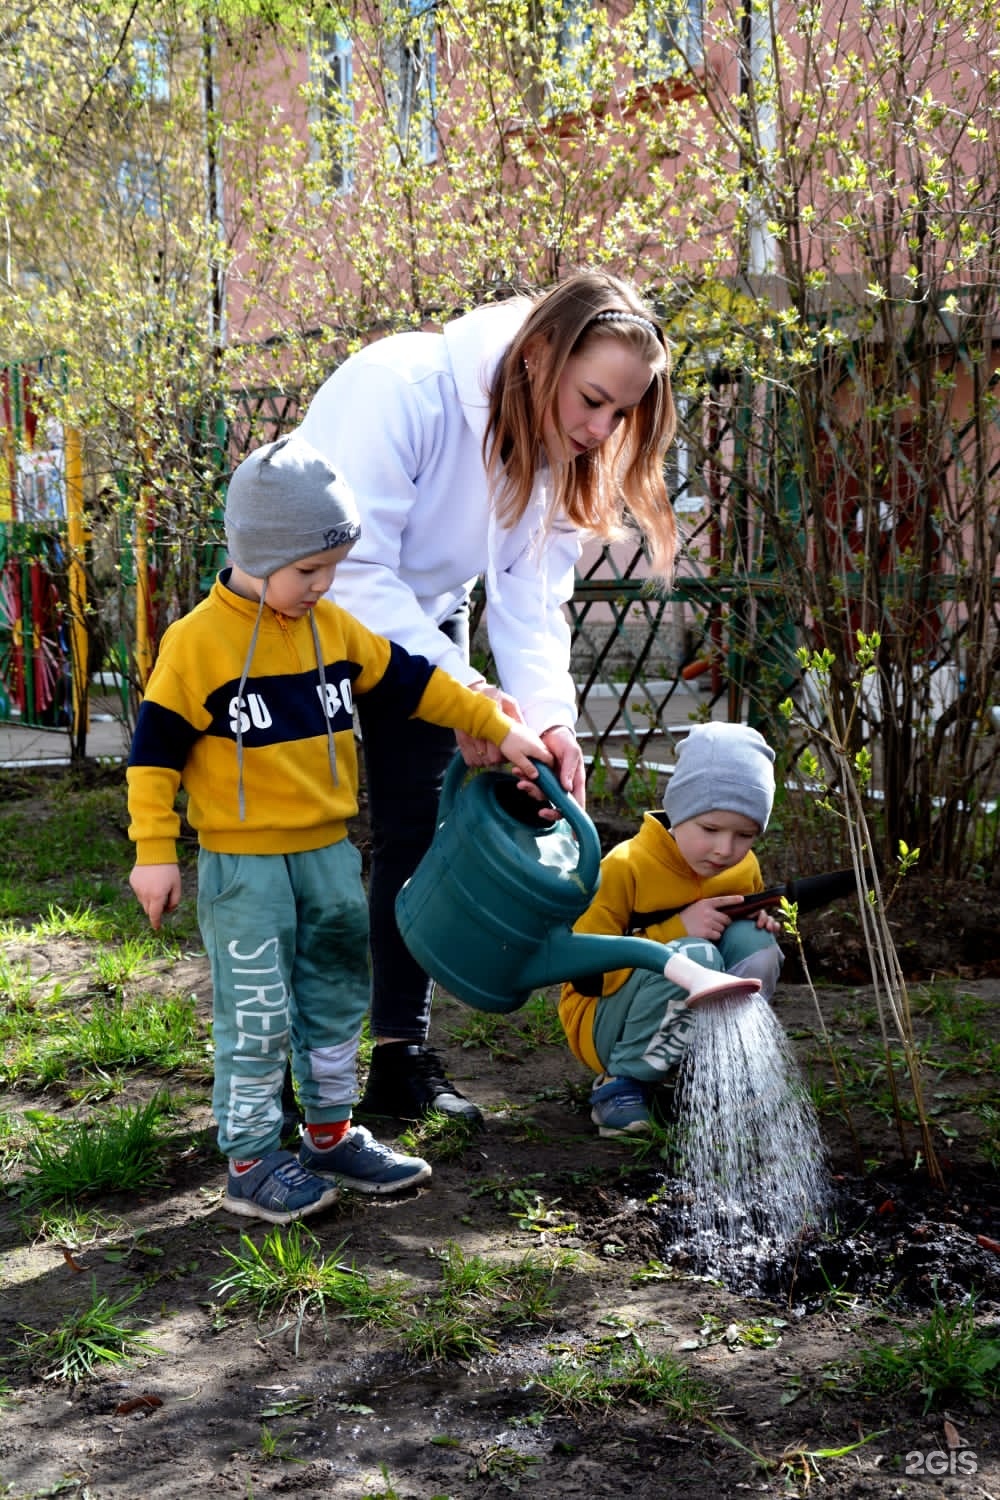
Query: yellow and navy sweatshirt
(186, 731)
(645, 873)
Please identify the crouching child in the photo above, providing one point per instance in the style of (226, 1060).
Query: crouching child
(680, 880)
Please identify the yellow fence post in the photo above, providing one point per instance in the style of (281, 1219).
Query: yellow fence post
(143, 644)
(79, 645)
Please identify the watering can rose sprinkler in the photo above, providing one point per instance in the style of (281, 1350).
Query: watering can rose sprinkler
(488, 913)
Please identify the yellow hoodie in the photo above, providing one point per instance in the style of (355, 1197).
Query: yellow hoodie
(644, 874)
(186, 732)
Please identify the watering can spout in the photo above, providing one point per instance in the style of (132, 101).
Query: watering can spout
(488, 913)
(583, 956)
(565, 955)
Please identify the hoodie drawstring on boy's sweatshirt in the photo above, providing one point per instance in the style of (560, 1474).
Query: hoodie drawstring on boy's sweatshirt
(239, 705)
(331, 748)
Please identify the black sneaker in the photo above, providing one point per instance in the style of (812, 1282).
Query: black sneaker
(406, 1081)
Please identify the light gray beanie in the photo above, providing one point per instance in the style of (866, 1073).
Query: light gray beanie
(721, 768)
(286, 502)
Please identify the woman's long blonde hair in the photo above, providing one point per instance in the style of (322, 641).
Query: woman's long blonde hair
(596, 489)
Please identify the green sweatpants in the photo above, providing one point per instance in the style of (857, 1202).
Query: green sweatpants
(644, 1029)
(287, 940)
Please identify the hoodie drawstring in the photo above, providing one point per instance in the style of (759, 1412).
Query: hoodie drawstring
(331, 748)
(239, 704)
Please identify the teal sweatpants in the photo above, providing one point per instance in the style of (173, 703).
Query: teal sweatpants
(287, 940)
(644, 1029)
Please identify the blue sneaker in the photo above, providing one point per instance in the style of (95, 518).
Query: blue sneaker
(361, 1162)
(277, 1189)
(618, 1107)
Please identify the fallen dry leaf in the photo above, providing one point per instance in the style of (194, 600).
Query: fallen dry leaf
(138, 1403)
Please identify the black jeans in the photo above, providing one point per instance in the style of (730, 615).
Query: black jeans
(405, 765)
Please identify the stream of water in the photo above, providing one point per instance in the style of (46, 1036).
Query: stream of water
(752, 1173)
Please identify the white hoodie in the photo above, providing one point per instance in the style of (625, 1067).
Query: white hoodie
(404, 421)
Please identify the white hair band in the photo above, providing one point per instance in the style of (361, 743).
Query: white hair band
(630, 317)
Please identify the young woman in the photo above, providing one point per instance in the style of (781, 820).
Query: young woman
(493, 450)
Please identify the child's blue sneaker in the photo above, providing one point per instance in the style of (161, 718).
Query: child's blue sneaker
(277, 1189)
(361, 1162)
(618, 1107)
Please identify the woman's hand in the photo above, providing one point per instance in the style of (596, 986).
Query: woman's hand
(567, 759)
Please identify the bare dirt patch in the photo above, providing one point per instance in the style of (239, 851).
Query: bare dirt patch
(227, 1407)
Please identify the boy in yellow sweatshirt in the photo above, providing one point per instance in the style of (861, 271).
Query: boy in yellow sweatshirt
(679, 880)
(249, 708)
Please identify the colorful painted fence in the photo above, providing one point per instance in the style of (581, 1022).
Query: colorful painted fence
(42, 592)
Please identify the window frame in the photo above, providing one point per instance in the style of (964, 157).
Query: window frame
(411, 72)
(151, 67)
(332, 74)
(675, 38)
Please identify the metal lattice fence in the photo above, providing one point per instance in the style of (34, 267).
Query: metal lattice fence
(646, 662)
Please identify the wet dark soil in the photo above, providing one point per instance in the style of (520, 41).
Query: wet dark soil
(892, 1240)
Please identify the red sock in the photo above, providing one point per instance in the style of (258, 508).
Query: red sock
(239, 1167)
(326, 1135)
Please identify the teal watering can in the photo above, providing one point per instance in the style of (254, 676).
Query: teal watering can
(489, 910)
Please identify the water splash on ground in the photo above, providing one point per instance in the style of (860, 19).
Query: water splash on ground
(751, 1170)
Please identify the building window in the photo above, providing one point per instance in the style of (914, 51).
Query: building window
(333, 70)
(675, 37)
(565, 36)
(152, 74)
(138, 186)
(572, 29)
(411, 62)
(683, 475)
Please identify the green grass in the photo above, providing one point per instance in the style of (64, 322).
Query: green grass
(65, 858)
(389, 1493)
(133, 958)
(476, 1302)
(49, 1038)
(287, 1278)
(16, 1130)
(957, 1054)
(83, 922)
(93, 1336)
(989, 1143)
(441, 1137)
(623, 1374)
(947, 1359)
(507, 1037)
(120, 1151)
(18, 989)
(69, 826)
(75, 1227)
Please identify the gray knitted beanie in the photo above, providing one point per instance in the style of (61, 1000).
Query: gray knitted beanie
(721, 768)
(286, 502)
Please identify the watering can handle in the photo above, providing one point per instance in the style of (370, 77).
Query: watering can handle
(588, 869)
